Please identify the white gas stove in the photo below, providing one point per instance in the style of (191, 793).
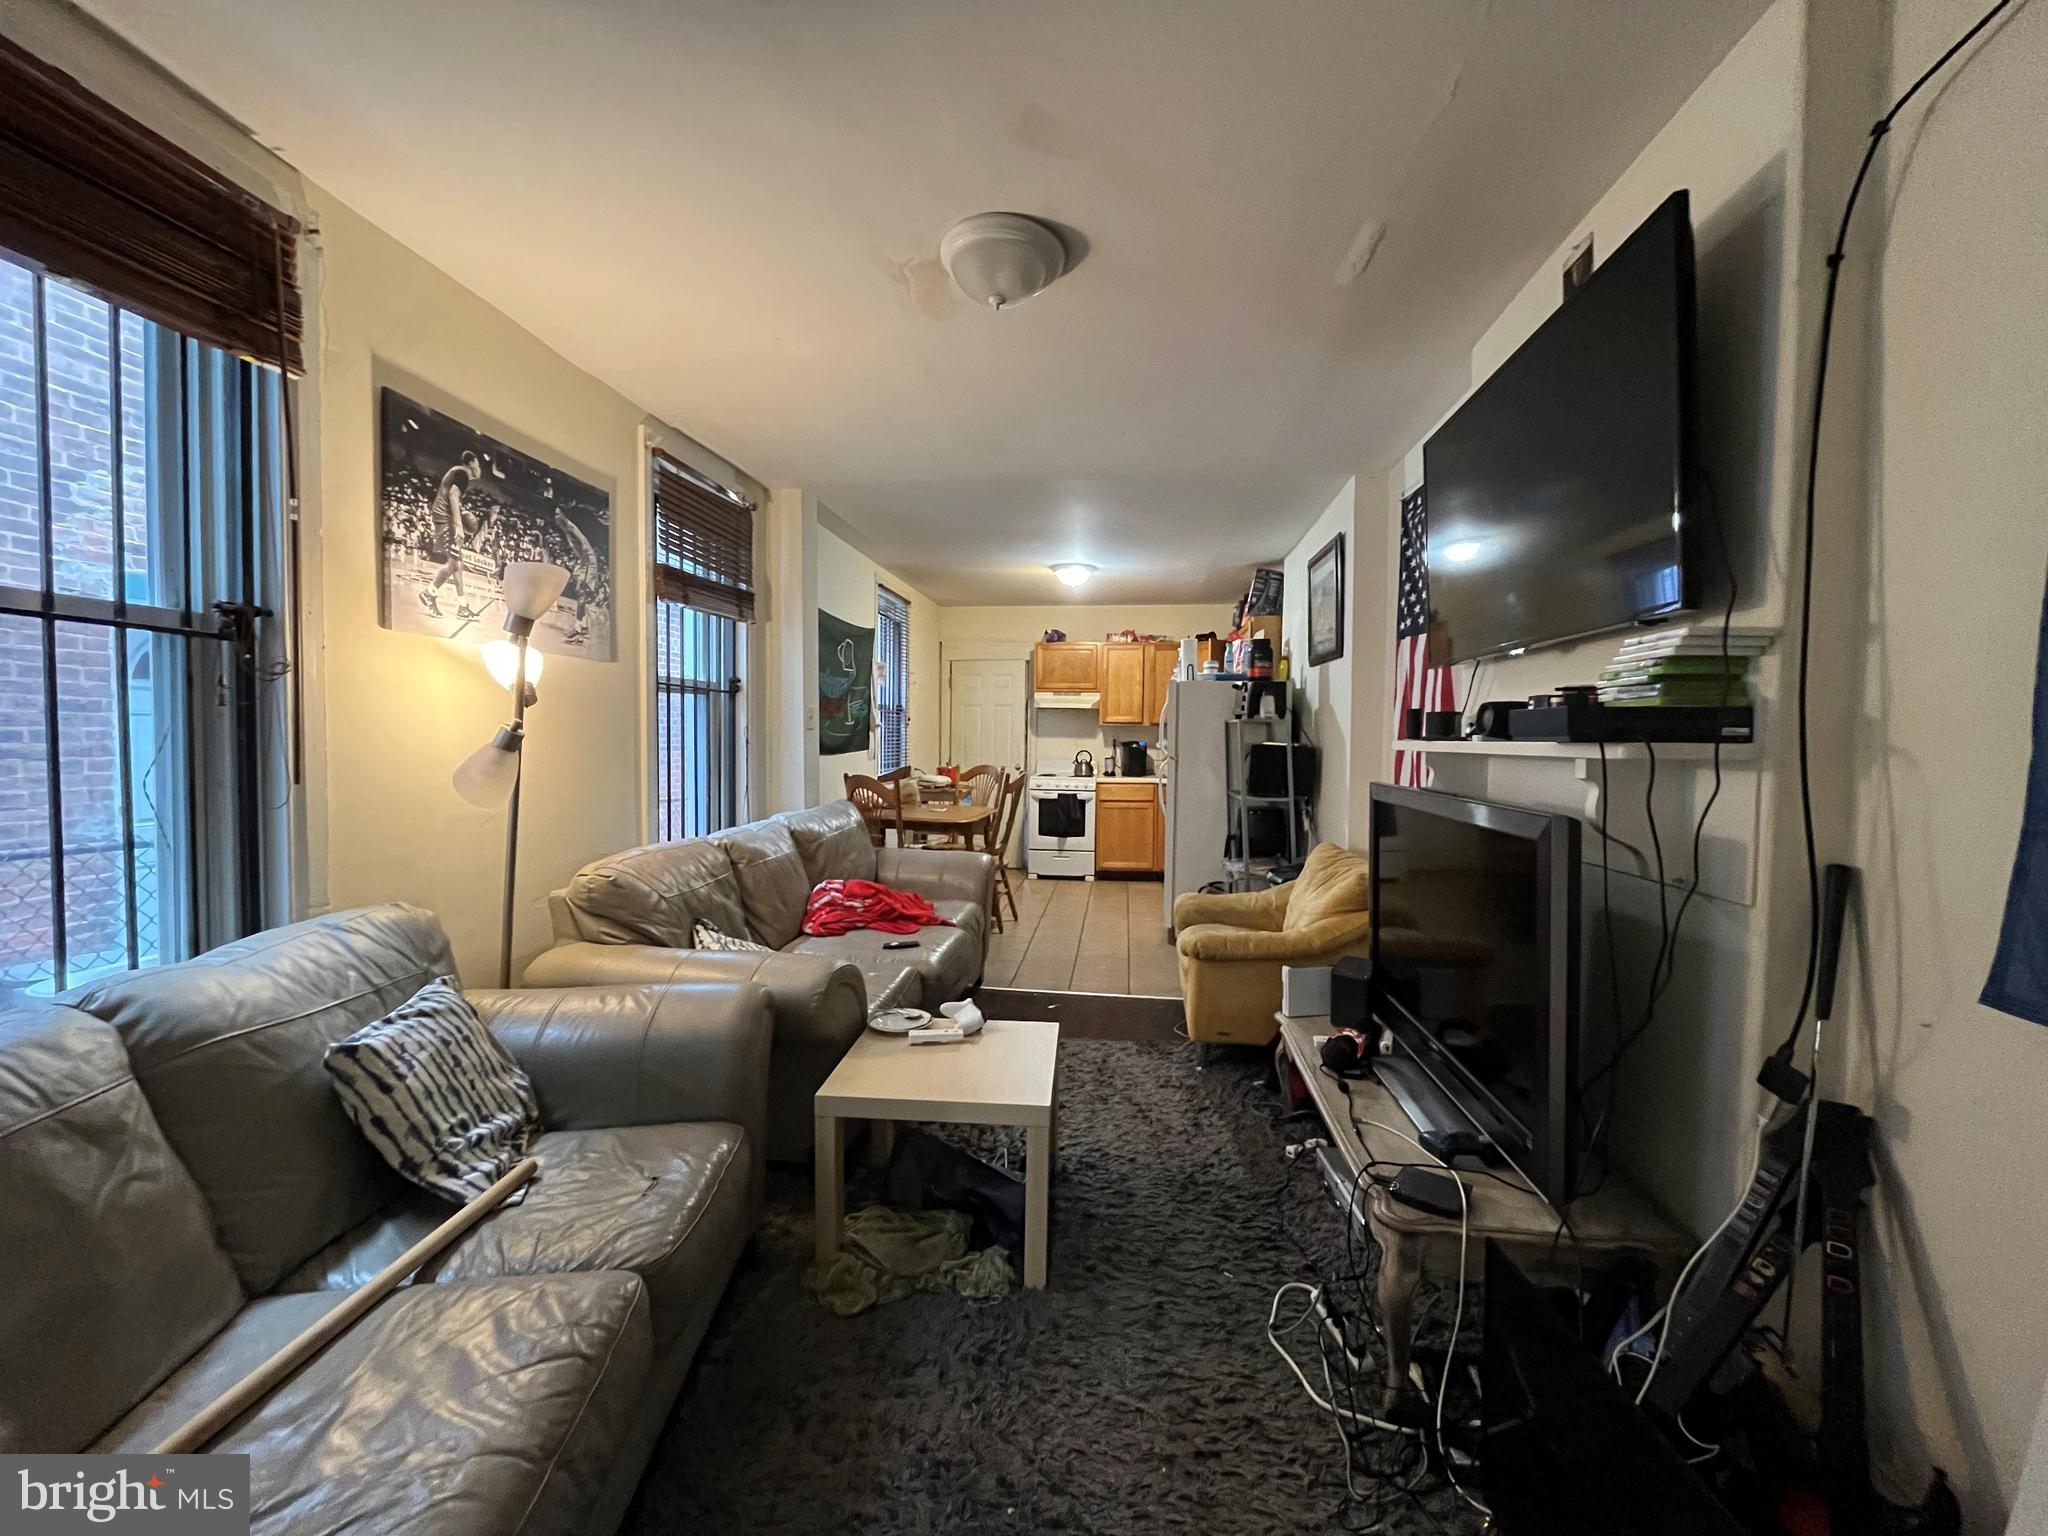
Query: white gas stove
(1059, 825)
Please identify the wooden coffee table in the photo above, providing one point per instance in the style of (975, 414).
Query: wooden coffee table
(1006, 1075)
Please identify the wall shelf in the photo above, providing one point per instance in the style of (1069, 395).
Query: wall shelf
(1617, 751)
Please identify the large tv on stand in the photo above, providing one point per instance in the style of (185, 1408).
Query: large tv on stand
(1476, 963)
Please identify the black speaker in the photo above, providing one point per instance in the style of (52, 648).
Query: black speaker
(1351, 995)
(1493, 716)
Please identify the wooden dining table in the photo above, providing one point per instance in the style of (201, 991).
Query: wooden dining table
(967, 822)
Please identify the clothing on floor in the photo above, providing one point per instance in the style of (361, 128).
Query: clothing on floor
(840, 906)
(885, 1255)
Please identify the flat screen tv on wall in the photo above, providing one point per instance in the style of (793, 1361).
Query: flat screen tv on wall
(1561, 492)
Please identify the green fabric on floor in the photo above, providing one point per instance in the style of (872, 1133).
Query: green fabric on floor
(885, 1255)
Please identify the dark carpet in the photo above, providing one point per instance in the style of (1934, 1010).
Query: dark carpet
(1138, 1393)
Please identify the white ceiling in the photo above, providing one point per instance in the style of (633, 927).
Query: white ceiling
(730, 210)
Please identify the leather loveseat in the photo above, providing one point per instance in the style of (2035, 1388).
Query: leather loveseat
(183, 1194)
(631, 917)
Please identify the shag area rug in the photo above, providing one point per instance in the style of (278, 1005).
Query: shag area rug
(1137, 1394)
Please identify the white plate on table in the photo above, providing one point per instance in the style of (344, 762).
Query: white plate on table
(899, 1021)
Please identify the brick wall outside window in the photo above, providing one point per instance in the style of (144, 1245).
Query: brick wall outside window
(82, 469)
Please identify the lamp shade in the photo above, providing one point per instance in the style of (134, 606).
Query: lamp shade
(485, 777)
(502, 658)
(531, 587)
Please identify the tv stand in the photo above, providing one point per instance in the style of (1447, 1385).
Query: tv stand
(1615, 1222)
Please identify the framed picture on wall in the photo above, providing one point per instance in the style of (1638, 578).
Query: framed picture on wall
(455, 505)
(1326, 603)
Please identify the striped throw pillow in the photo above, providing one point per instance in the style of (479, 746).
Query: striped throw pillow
(436, 1094)
(704, 936)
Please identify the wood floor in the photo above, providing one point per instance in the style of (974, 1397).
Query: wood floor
(1085, 936)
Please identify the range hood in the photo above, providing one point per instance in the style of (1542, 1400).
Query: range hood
(1066, 700)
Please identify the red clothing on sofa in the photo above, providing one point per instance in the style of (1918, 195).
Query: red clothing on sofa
(840, 906)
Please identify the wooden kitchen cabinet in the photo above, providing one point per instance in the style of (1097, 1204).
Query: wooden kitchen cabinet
(1161, 657)
(1066, 666)
(1129, 831)
(1123, 684)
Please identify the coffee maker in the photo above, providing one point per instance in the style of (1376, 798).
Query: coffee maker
(1132, 759)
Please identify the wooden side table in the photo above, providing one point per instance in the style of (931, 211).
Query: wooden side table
(1617, 1221)
(1006, 1075)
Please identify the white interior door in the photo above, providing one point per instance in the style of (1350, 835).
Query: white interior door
(986, 720)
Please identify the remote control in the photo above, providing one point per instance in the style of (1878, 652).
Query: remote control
(936, 1035)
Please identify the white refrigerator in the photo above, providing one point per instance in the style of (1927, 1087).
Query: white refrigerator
(1190, 758)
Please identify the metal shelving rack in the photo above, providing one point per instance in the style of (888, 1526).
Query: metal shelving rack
(1239, 737)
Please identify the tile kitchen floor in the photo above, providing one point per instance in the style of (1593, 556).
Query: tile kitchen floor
(1085, 936)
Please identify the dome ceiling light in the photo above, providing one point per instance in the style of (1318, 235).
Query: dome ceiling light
(1073, 573)
(1001, 259)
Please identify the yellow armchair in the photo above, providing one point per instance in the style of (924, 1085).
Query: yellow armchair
(1232, 947)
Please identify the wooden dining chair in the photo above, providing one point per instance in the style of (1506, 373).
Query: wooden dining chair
(1005, 828)
(983, 783)
(880, 805)
(980, 785)
(908, 792)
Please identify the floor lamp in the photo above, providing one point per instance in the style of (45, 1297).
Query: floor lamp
(489, 776)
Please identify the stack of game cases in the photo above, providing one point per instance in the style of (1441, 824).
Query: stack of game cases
(1683, 665)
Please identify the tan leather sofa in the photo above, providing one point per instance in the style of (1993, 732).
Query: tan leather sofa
(1232, 947)
(630, 917)
(183, 1194)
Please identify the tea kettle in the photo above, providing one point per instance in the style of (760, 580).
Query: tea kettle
(1084, 765)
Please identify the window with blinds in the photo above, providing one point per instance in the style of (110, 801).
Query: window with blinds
(892, 696)
(145, 543)
(89, 194)
(703, 596)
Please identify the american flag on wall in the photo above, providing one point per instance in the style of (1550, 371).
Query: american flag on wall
(1417, 684)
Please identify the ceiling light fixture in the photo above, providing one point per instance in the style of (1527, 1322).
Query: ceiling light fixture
(1073, 573)
(1001, 259)
(1464, 551)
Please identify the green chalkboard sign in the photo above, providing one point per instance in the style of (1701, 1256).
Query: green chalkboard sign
(846, 685)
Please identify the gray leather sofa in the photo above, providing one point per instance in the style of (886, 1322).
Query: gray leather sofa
(630, 917)
(183, 1193)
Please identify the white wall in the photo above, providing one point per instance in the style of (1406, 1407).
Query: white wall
(815, 562)
(1323, 694)
(788, 613)
(388, 715)
(396, 712)
(846, 584)
(1081, 621)
(1055, 735)
(1925, 620)
(1950, 612)
(1740, 145)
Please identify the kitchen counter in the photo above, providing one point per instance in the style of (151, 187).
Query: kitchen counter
(1127, 778)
